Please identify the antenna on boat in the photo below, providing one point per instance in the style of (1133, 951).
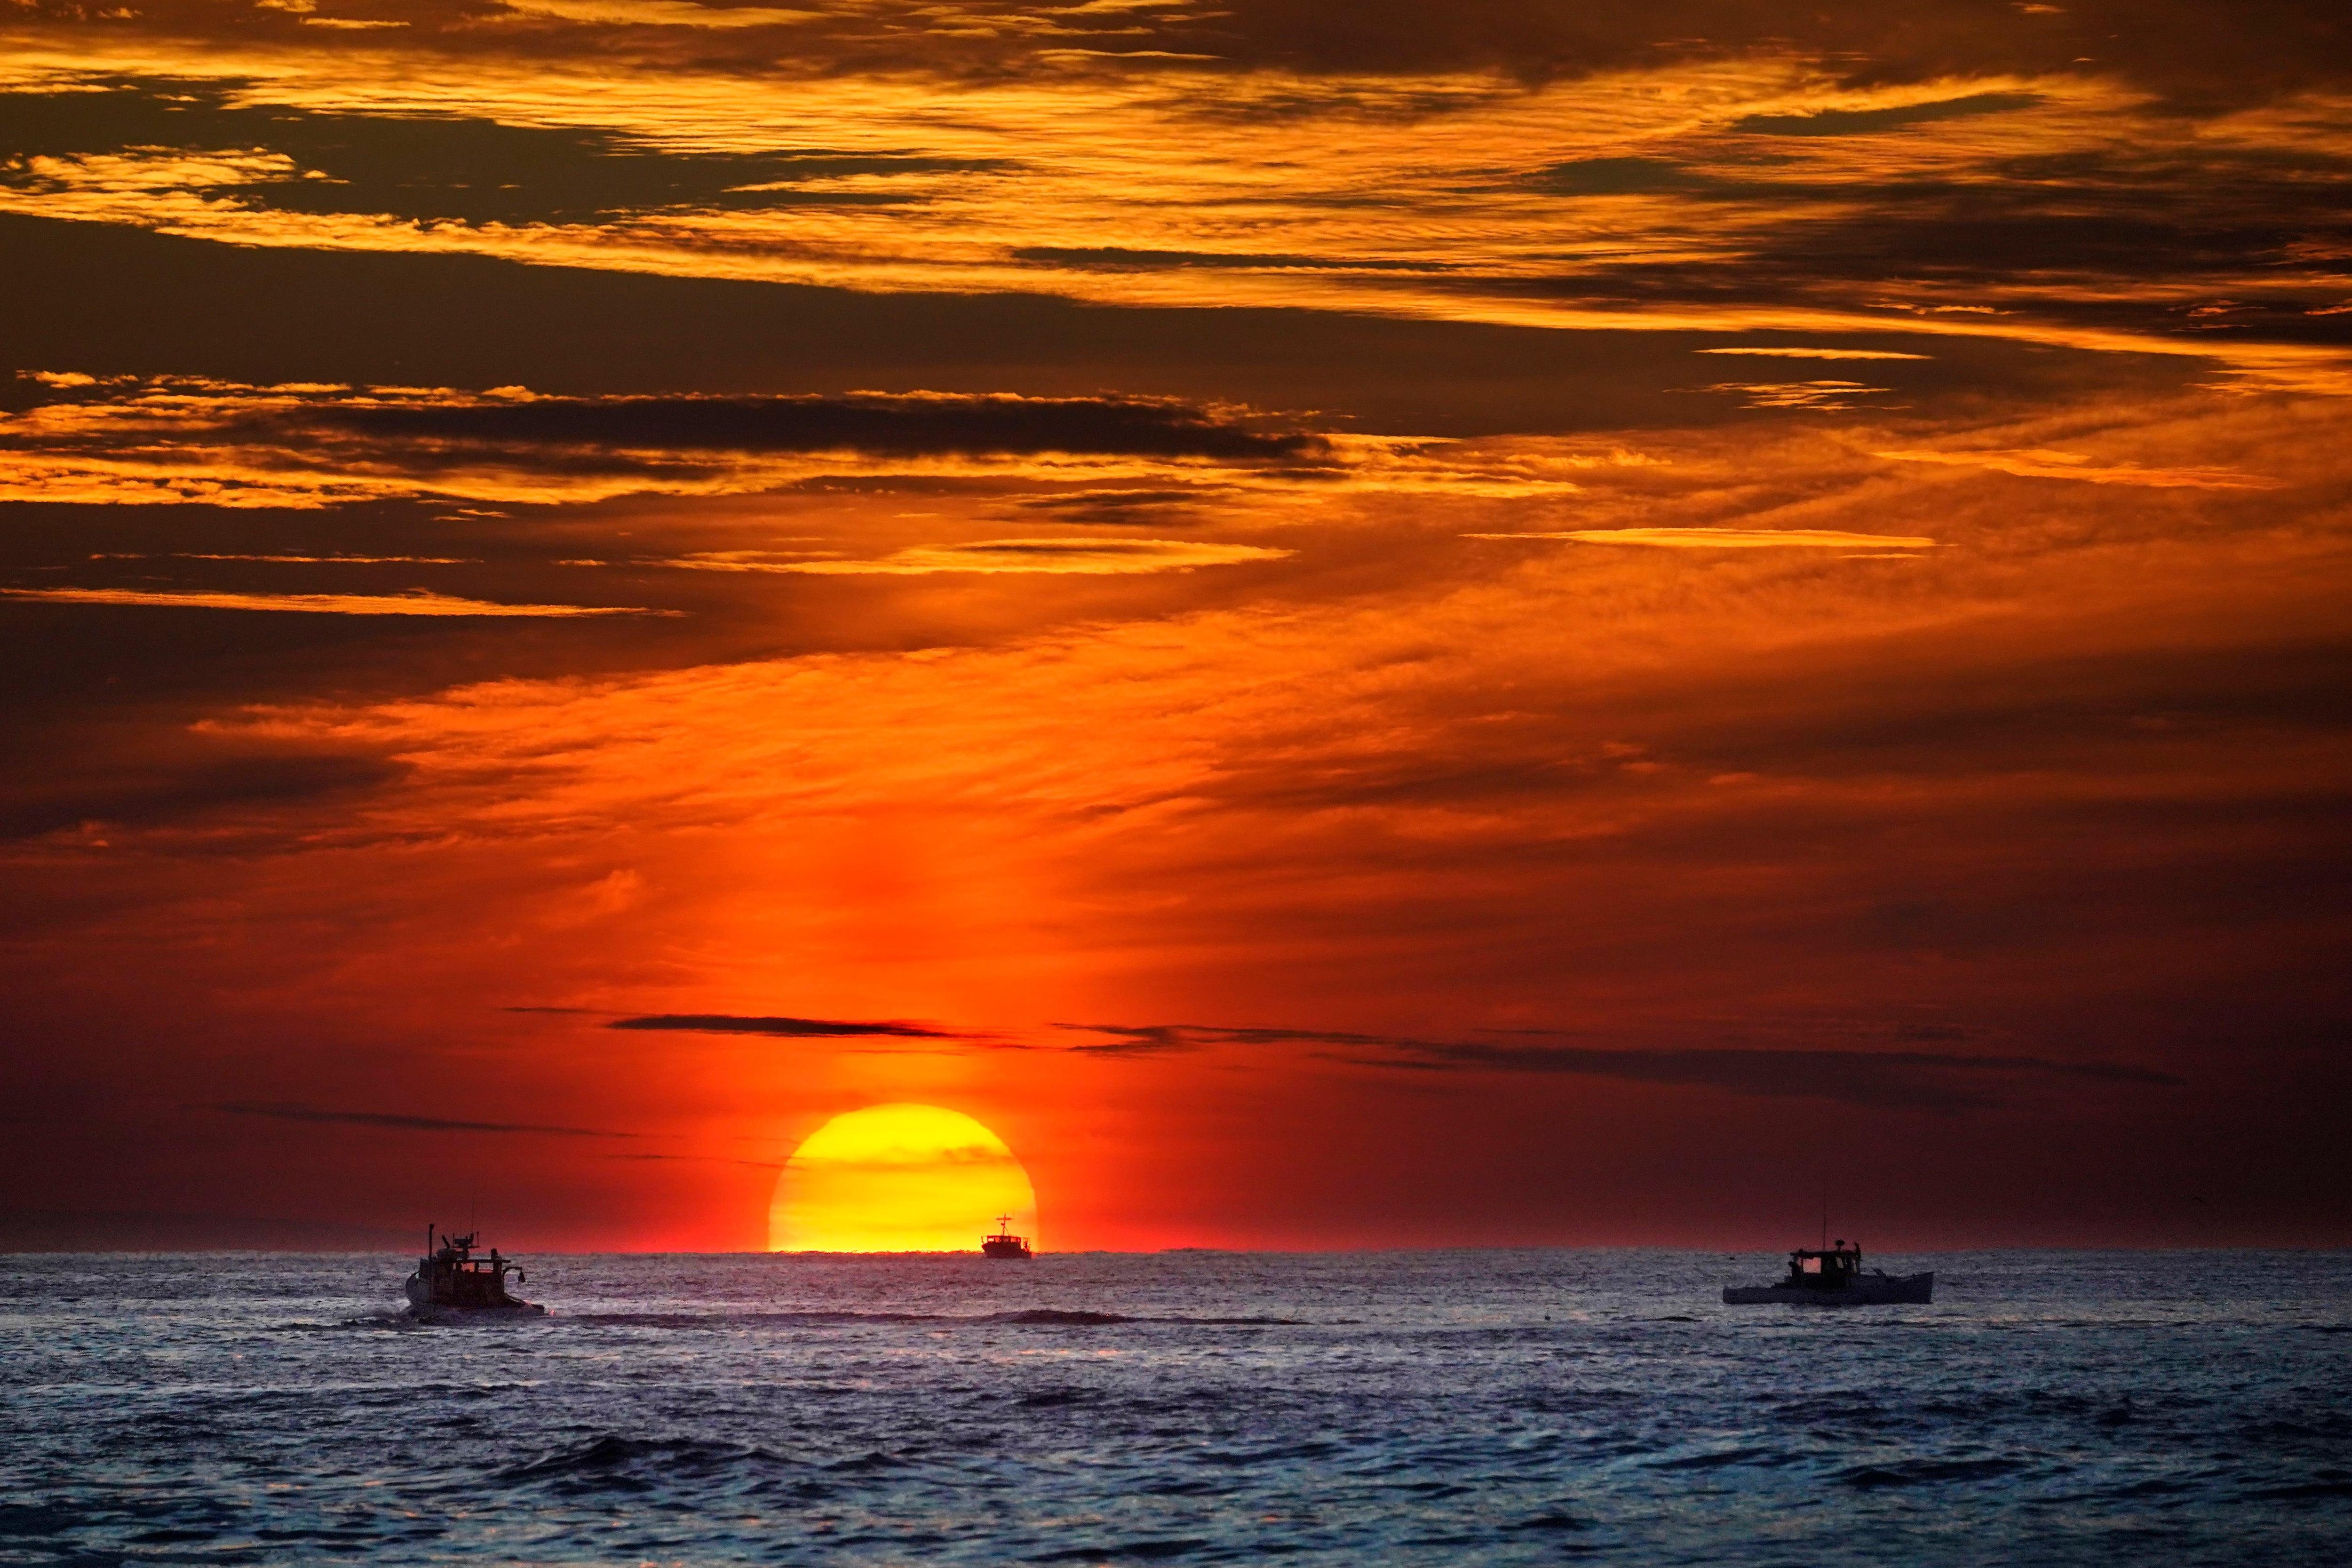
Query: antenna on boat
(1826, 1211)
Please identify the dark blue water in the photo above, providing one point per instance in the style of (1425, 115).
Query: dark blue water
(1197, 1407)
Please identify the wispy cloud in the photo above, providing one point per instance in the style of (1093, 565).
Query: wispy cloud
(291, 1110)
(1094, 557)
(2042, 463)
(657, 12)
(1878, 120)
(189, 439)
(419, 603)
(1729, 538)
(293, 560)
(891, 1160)
(1151, 182)
(1923, 1081)
(1824, 396)
(1910, 1079)
(1816, 354)
(703, 1160)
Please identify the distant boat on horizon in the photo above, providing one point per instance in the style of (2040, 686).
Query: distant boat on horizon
(1004, 1244)
(450, 1282)
(1832, 1277)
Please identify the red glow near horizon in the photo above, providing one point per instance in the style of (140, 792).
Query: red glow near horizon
(1539, 638)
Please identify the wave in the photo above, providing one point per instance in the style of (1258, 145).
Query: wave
(1052, 1397)
(1142, 1551)
(2340, 1486)
(1728, 1456)
(1034, 1317)
(387, 1321)
(1928, 1472)
(608, 1457)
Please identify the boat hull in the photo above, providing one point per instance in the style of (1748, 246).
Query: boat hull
(424, 1309)
(1863, 1290)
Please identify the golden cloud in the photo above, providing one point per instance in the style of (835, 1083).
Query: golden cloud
(1729, 538)
(658, 13)
(163, 440)
(1158, 186)
(1816, 354)
(1087, 557)
(2043, 463)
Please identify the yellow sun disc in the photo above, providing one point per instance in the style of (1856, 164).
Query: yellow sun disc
(900, 1178)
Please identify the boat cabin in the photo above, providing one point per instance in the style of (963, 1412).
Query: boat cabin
(1004, 1244)
(451, 1276)
(1829, 1269)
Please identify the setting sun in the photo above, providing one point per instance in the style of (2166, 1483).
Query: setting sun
(899, 1178)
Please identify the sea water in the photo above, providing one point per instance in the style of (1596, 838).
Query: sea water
(1424, 1407)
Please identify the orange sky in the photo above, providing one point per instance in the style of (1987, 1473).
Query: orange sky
(1352, 627)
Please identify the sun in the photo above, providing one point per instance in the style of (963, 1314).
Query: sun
(899, 1178)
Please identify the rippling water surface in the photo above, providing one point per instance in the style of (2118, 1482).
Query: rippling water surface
(1192, 1407)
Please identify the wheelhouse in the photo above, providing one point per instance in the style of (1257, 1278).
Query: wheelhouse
(1004, 1244)
(453, 1277)
(1825, 1269)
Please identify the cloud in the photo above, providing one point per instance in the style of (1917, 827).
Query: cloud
(192, 439)
(849, 177)
(917, 424)
(415, 603)
(1115, 258)
(287, 1110)
(1906, 1080)
(2046, 464)
(163, 790)
(659, 13)
(1124, 505)
(790, 1028)
(1622, 177)
(1817, 354)
(1875, 121)
(1093, 557)
(898, 1160)
(450, 166)
(1899, 1080)
(293, 560)
(1872, 51)
(1149, 1039)
(703, 1159)
(1730, 538)
(1820, 396)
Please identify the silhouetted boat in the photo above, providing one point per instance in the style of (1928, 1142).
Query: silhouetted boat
(450, 1281)
(1832, 1277)
(1004, 1244)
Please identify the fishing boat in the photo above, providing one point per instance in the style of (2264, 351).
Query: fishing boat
(1004, 1244)
(1832, 1277)
(451, 1283)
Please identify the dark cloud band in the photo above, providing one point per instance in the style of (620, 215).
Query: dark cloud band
(1902, 1079)
(284, 1111)
(789, 1029)
(902, 426)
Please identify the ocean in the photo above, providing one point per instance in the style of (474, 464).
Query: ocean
(1350, 1408)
